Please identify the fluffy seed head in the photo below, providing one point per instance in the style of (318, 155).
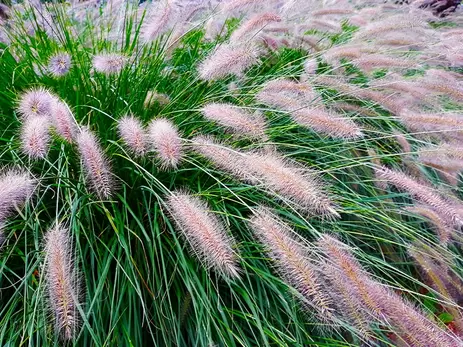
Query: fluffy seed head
(165, 140)
(379, 303)
(35, 137)
(443, 126)
(291, 181)
(16, 188)
(421, 193)
(132, 133)
(158, 22)
(207, 237)
(62, 281)
(63, 121)
(443, 229)
(36, 102)
(228, 60)
(291, 260)
(240, 4)
(153, 97)
(95, 164)
(59, 64)
(225, 158)
(236, 119)
(109, 63)
(254, 24)
(326, 123)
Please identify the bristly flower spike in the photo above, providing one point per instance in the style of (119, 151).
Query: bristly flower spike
(59, 64)
(165, 139)
(109, 63)
(132, 133)
(292, 261)
(35, 137)
(62, 281)
(16, 188)
(239, 120)
(206, 235)
(95, 164)
(36, 102)
(63, 121)
(228, 59)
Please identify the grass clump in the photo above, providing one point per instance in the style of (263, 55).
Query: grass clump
(232, 174)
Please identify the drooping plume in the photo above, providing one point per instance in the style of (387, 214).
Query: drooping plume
(165, 139)
(443, 229)
(204, 232)
(35, 137)
(132, 133)
(95, 164)
(36, 102)
(109, 63)
(16, 188)
(158, 21)
(421, 193)
(62, 281)
(448, 126)
(293, 182)
(227, 60)
(253, 25)
(291, 259)
(290, 181)
(63, 121)
(239, 120)
(327, 123)
(225, 158)
(59, 64)
(376, 302)
(153, 97)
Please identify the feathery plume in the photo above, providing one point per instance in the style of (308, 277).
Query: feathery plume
(132, 133)
(285, 94)
(440, 125)
(153, 97)
(158, 22)
(225, 158)
(166, 141)
(437, 270)
(204, 232)
(253, 25)
(59, 64)
(16, 188)
(109, 63)
(63, 121)
(324, 122)
(378, 302)
(227, 60)
(395, 23)
(62, 281)
(291, 260)
(447, 166)
(95, 164)
(421, 193)
(240, 4)
(443, 229)
(35, 137)
(237, 119)
(403, 143)
(35, 102)
(447, 88)
(370, 62)
(288, 180)
(291, 181)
